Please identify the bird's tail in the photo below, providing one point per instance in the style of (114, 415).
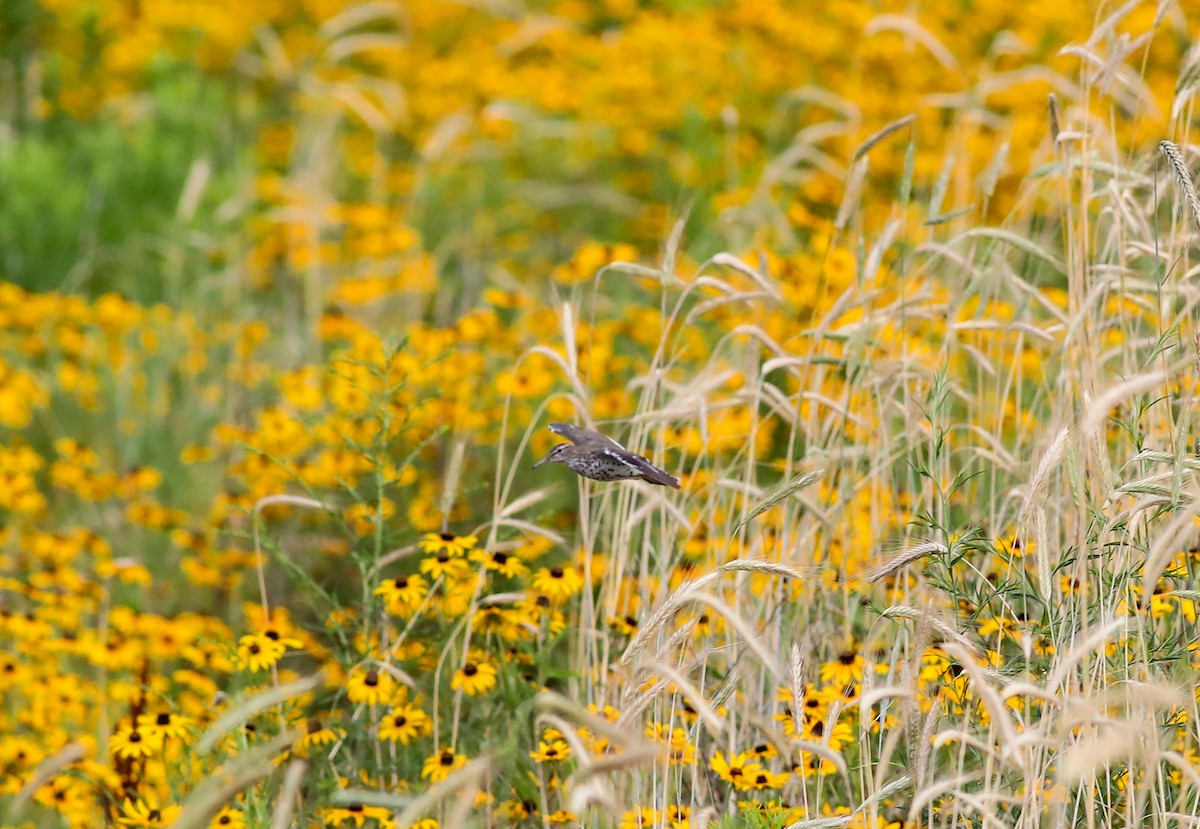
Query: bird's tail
(661, 478)
(651, 473)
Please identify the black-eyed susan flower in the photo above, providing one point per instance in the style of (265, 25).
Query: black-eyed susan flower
(316, 734)
(638, 818)
(764, 751)
(257, 652)
(403, 595)
(678, 816)
(370, 687)
(134, 744)
(457, 595)
(437, 766)
(817, 731)
(998, 627)
(625, 625)
(558, 583)
(444, 564)
(166, 725)
(776, 812)
(763, 779)
(809, 765)
(738, 769)
(847, 668)
(679, 749)
(498, 561)
(356, 814)
(228, 818)
(403, 724)
(551, 752)
(503, 621)
(476, 676)
(517, 809)
(147, 813)
(448, 542)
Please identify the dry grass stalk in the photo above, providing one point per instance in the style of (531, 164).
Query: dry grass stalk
(289, 794)
(903, 559)
(1175, 159)
(248, 708)
(45, 772)
(248, 767)
(466, 781)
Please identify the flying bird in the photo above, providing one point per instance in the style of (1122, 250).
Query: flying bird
(602, 458)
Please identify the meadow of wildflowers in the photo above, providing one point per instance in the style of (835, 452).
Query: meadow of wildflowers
(901, 292)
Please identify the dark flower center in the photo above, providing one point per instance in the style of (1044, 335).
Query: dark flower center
(447, 758)
(371, 679)
(470, 669)
(135, 737)
(447, 537)
(556, 572)
(162, 719)
(500, 558)
(846, 657)
(313, 726)
(399, 721)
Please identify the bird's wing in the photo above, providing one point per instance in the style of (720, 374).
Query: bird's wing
(580, 436)
(647, 470)
(571, 433)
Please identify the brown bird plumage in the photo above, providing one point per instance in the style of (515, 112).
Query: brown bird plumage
(602, 458)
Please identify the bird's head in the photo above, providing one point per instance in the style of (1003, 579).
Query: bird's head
(557, 455)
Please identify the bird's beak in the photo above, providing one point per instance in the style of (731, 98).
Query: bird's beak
(542, 461)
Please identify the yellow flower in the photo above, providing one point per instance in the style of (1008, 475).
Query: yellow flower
(474, 678)
(355, 813)
(134, 744)
(737, 770)
(444, 563)
(558, 583)
(316, 733)
(228, 818)
(165, 725)
(500, 562)
(371, 687)
(763, 779)
(455, 545)
(439, 765)
(403, 594)
(551, 752)
(403, 724)
(147, 813)
(257, 652)
(846, 669)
